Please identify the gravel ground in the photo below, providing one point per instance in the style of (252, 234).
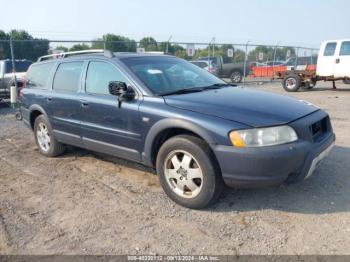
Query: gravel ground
(88, 203)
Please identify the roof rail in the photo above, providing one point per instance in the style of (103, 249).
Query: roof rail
(106, 53)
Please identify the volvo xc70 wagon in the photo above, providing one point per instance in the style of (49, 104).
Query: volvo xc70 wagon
(197, 131)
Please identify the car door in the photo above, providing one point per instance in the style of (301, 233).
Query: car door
(326, 59)
(342, 60)
(63, 104)
(106, 126)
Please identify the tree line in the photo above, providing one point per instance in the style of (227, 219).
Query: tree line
(36, 47)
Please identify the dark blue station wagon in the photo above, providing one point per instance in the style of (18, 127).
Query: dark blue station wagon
(199, 132)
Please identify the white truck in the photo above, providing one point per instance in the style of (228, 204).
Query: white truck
(333, 64)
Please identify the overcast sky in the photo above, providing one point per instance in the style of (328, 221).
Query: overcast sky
(298, 22)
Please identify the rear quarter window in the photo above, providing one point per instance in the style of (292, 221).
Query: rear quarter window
(330, 49)
(38, 75)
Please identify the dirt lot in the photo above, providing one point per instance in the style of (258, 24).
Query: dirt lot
(87, 203)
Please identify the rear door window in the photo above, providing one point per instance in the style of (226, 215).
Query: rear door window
(67, 77)
(38, 75)
(330, 49)
(345, 48)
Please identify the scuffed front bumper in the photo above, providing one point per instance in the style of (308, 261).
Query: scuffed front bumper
(267, 166)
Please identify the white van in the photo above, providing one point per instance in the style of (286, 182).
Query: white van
(334, 59)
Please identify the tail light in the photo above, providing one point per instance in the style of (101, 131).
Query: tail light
(212, 69)
(21, 85)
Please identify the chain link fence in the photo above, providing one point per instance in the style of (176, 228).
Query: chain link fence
(236, 62)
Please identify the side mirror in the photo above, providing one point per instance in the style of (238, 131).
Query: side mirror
(116, 88)
(120, 89)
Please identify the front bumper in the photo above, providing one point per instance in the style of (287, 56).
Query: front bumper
(273, 165)
(258, 167)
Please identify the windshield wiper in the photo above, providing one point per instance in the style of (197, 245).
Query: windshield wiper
(182, 91)
(214, 86)
(195, 89)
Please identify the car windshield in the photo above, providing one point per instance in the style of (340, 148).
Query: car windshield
(166, 75)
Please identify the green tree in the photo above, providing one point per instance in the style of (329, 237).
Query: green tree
(149, 43)
(4, 46)
(115, 43)
(238, 56)
(267, 51)
(79, 47)
(31, 48)
(61, 48)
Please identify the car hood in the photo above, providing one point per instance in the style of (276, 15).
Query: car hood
(247, 106)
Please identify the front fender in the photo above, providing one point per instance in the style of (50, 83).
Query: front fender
(167, 124)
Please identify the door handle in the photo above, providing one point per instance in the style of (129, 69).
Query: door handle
(337, 61)
(84, 104)
(49, 99)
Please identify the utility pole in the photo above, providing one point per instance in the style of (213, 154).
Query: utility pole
(167, 44)
(13, 61)
(245, 61)
(13, 89)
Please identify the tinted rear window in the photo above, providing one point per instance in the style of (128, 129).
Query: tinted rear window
(345, 48)
(38, 75)
(20, 66)
(200, 64)
(330, 49)
(67, 76)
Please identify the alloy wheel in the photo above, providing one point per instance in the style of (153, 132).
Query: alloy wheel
(43, 137)
(183, 174)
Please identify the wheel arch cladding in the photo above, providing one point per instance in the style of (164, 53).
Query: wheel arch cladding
(167, 128)
(35, 111)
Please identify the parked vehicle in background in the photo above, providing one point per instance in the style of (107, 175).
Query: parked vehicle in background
(333, 64)
(7, 75)
(301, 63)
(207, 65)
(199, 132)
(273, 63)
(234, 71)
(271, 68)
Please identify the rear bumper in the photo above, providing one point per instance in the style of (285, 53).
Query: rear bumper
(258, 167)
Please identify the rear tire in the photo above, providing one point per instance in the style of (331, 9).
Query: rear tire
(44, 138)
(188, 172)
(236, 76)
(291, 83)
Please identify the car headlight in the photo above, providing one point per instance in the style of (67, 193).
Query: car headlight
(258, 137)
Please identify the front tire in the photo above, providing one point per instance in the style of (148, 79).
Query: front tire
(188, 172)
(44, 138)
(291, 83)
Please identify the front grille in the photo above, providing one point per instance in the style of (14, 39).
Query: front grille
(319, 129)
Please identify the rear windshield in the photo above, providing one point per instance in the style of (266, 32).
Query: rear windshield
(20, 66)
(38, 75)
